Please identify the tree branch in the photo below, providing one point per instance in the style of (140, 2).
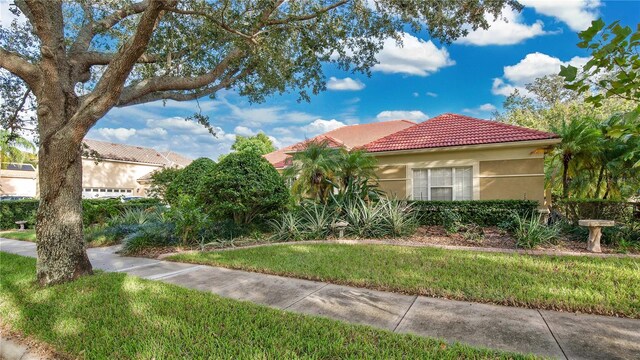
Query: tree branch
(166, 83)
(313, 15)
(108, 90)
(20, 67)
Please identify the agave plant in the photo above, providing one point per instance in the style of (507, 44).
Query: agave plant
(288, 228)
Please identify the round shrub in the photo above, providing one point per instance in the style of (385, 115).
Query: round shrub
(188, 180)
(244, 187)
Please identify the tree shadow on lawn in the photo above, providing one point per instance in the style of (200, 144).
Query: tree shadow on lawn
(118, 316)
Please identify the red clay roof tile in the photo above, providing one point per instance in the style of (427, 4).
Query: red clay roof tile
(454, 130)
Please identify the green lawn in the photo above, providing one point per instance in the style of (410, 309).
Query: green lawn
(115, 316)
(608, 286)
(26, 235)
(92, 237)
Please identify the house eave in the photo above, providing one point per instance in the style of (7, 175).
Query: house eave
(511, 144)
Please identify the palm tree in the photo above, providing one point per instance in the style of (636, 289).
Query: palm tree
(313, 170)
(355, 164)
(14, 148)
(580, 139)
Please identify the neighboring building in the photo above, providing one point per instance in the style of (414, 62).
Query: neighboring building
(109, 170)
(456, 157)
(351, 136)
(18, 179)
(120, 169)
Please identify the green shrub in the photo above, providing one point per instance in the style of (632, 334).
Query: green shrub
(94, 211)
(576, 209)
(244, 187)
(19, 210)
(288, 228)
(382, 219)
(530, 232)
(479, 212)
(149, 235)
(188, 180)
(473, 233)
(451, 220)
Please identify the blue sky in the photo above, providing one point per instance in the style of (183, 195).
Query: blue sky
(420, 80)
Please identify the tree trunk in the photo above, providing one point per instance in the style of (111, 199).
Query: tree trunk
(565, 176)
(61, 250)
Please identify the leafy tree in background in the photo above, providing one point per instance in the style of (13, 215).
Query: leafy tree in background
(612, 72)
(160, 181)
(260, 144)
(312, 171)
(76, 60)
(579, 141)
(614, 67)
(243, 187)
(14, 148)
(189, 179)
(355, 165)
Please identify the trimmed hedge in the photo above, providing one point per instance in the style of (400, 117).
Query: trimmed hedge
(94, 211)
(479, 212)
(576, 209)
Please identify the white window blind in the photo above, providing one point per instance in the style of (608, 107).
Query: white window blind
(446, 184)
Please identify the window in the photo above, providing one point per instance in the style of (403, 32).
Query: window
(443, 184)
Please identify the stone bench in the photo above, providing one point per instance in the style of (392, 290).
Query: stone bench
(595, 232)
(21, 224)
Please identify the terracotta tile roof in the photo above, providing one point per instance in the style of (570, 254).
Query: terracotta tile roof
(455, 130)
(122, 152)
(350, 136)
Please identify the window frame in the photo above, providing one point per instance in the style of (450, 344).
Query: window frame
(452, 186)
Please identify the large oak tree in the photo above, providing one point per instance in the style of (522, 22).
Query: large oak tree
(73, 61)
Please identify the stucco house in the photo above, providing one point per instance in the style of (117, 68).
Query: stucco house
(457, 157)
(108, 170)
(119, 169)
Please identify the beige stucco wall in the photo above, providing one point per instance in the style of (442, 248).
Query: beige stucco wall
(513, 172)
(112, 174)
(21, 183)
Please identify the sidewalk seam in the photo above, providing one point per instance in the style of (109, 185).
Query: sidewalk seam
(173, 273)
(306, 296)
(553, 335)
(405, 313)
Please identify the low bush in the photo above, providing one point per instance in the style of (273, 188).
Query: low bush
(576, 209)
(244, 187)
(529, 232)
(187, 181)
(20, 210)
(479, 212)
(94, 211)
(149, 235)
(382, 219)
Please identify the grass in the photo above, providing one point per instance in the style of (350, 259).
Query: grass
(93, 236)
(25, 235)
(607, 286)
(115, 316)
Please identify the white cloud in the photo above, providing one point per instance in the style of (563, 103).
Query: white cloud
(179, 124)
(534, 65)
(487, 107)
(414, 57)
(321, 126)
(431, 94)
(116, 134)
(507, 29)
(413, 115)
(482, 109)
(244, 131)
(6, 16)
(346, 84)
(577, 14)
(153, 132)
(415, 94)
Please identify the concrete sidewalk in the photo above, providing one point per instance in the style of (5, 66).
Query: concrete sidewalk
(547, 333)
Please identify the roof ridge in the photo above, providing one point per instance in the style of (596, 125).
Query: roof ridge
(500, 123)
